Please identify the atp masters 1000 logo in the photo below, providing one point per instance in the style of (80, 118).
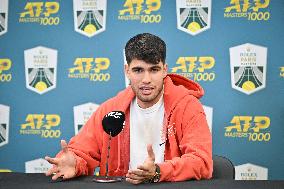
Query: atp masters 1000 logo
(3, 16)
(253, 128)
(43, 125)
(94, 69)
(89, 16)
(195, 68)
(44, 13)
(5, 65)
(253, 10)
(145, 11)
(193, 16)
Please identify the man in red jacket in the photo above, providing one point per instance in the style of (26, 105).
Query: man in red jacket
(165, 137)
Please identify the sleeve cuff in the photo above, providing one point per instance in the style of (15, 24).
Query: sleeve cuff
(166, 171)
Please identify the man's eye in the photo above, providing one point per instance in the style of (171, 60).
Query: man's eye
(138, 70)
(155, 70)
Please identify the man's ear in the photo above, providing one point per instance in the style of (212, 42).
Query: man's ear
(126, 70)
(165, 70)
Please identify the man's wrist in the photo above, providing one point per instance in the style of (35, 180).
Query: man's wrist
(156, 176)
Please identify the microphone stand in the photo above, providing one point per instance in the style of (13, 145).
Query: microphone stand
(106, 178)
(108, 149)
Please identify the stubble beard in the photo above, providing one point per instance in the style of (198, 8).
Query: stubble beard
(150, 98)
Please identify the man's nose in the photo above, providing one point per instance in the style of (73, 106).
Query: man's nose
(146, 77)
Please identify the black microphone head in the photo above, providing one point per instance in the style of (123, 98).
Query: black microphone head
(113, 122)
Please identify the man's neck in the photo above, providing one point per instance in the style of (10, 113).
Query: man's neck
(146, 105)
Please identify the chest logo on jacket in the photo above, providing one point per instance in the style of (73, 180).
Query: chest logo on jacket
(171, 130)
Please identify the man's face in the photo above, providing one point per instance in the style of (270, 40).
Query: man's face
(146, 81)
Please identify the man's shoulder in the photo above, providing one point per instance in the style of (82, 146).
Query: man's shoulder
(189, 101)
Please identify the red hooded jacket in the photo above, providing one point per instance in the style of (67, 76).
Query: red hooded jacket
(188, 148)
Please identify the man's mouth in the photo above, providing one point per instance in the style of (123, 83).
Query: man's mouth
(146, 90)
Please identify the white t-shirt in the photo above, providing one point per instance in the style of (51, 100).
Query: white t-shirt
(146, 127)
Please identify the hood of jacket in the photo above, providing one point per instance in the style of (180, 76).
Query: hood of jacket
(186, 85)
(176, 87)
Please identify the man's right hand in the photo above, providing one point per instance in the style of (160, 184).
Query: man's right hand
(63, 166)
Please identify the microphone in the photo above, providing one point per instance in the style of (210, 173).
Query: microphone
(113, 123)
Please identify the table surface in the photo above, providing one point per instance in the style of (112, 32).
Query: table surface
(37, 180)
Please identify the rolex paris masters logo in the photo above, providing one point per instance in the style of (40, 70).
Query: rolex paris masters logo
(248, 67)
(193, 16)
(89, 16)
(40, 69)
(250, 171)
(4, 124)
(3, 16)
(82, 113)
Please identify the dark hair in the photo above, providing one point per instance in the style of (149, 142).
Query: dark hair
(146, 47)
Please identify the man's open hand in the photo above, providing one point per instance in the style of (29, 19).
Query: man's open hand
(63, 166)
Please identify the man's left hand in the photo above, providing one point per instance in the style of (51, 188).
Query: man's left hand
(144, 172)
